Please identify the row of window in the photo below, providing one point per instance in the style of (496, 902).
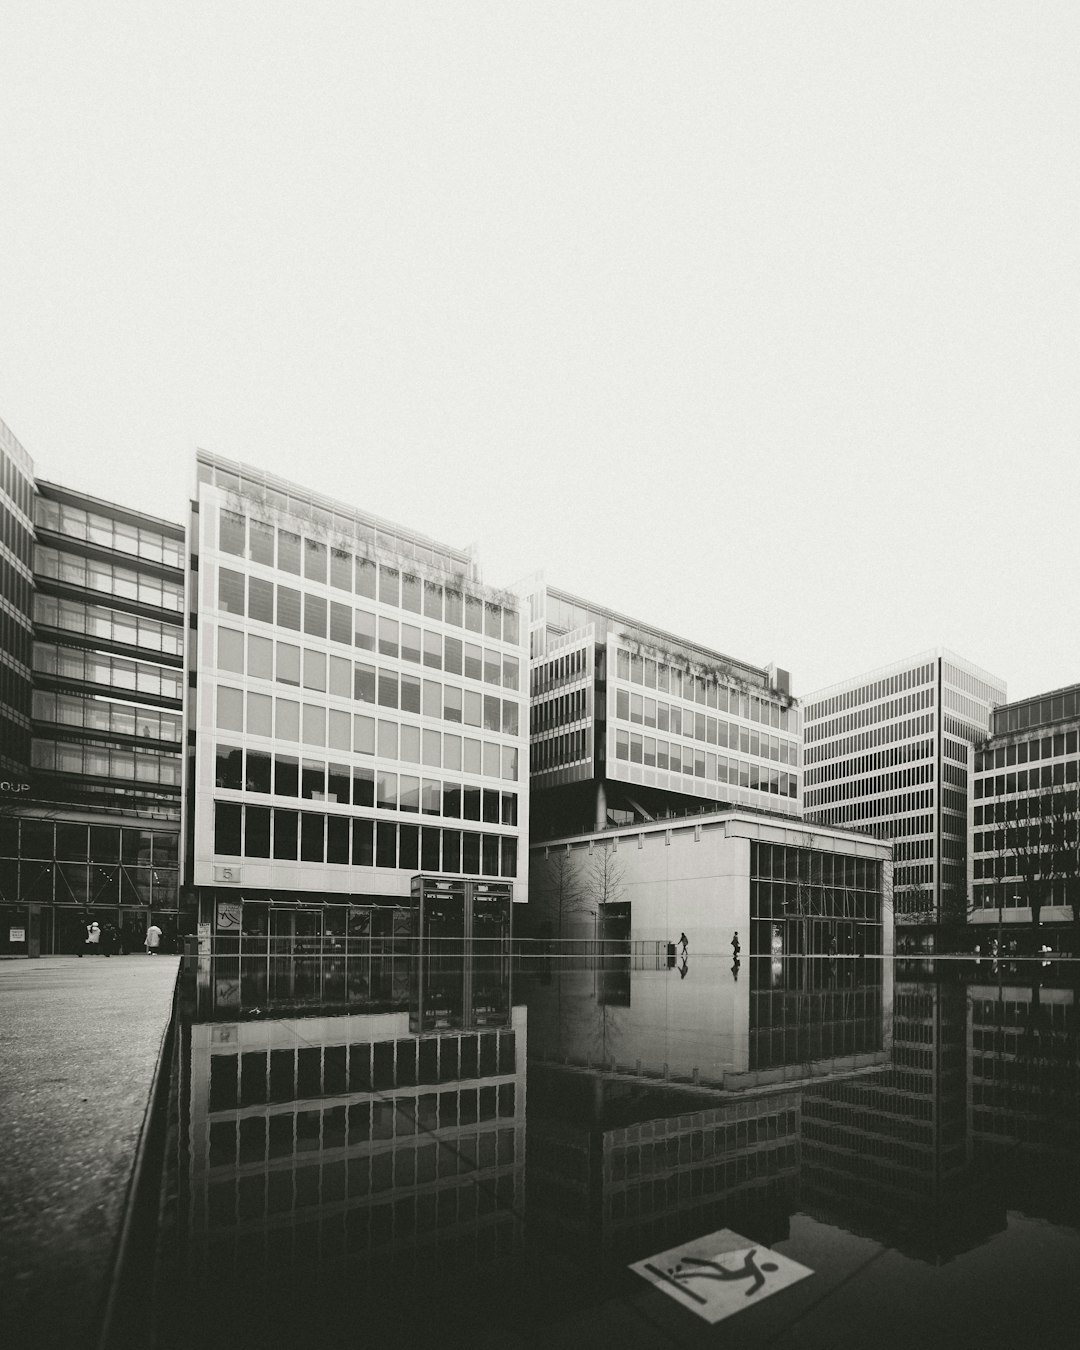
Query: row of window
(15, 586)
(870, 693)
(384, 686)
(16, 636)
(78, 883)
(303, 612)
(864, 717)
(16, 481)
(1025, 752)
(1052, 708)
(787, 862)
(256, 1079)
(881, 759)
(798, 900)
(559, 670)
(359, 785)
(708, 691)
(311, 724)
(553, 752)
(45, 839)
(870, 787)
(558, 711)
(1027, 780)
(687, 759)
(245, 831)
(100, 760)
(867, 740)
(99, 714)
(110, 625)
(257, 1138)
(92, 575)
(976, 713)
(116, 672)
(77, 523)
(311, 558)
(714, 730)
(1051, 807)
(881, 812)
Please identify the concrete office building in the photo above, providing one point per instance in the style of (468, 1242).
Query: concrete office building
(629, 723)
(93, 830)
(1025, 833)
(355, 719)
(890, 752)
(783, 888)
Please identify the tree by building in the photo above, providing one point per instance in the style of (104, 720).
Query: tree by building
(603, 879)
(561, 888)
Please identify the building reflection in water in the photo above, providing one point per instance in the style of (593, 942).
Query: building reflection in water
(352, 1141)
(381, 1138)
(678, 1109)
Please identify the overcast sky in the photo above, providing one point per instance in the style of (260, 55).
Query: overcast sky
(758, 322)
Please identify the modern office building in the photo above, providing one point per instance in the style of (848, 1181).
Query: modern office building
(782, 887)
(355, 717)
(629, 723)
(16, 604)
(890, 752)
(91, 826)
(1025, 832)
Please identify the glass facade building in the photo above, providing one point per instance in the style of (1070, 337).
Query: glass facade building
(890, 752)
(1024, 823)
(99, 834)
(629, 723)
(356, 714)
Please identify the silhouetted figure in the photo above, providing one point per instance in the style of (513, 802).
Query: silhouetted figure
(735, 948)
(684, 968)
(683, 943)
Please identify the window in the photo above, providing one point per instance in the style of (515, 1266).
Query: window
(314, 560)
(231, 650)
(230, 709)
(286, 828)
(227, 828)
(260, 600)
(288, 608)
(288, 552)
(230, 591)
(315, 615)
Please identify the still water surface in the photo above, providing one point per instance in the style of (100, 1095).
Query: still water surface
(471, 1150)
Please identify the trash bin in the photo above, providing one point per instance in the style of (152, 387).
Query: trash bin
(671, 953)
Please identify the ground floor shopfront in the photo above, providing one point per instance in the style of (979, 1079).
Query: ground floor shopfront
(258, 923)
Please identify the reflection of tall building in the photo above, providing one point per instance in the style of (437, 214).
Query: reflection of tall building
(889, 1154)
(681, 1111)
(1024, 1092)
(351, 1140)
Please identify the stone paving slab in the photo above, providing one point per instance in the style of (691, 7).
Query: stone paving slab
(79, 1044)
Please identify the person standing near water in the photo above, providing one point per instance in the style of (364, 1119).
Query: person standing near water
(153, 939)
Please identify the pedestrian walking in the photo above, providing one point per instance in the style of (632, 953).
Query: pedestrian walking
(93, 937)
(684, 943)
(735, 948)
(153, 939)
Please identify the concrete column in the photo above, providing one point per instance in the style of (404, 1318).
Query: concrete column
(601, 805)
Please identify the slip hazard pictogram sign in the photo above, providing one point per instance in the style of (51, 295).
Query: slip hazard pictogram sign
(721, 1274)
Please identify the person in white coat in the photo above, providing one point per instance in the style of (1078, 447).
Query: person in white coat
(153, 939)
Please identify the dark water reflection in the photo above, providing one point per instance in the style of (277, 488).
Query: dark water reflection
(470, 1151)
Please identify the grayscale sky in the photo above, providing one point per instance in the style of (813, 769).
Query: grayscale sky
(757, 321)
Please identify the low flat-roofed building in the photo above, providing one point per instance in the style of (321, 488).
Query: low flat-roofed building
(784, 886)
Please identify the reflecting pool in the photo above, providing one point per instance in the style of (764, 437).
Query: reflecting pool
(473, 1150)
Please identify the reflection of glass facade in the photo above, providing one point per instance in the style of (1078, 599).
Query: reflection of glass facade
(344, 1141)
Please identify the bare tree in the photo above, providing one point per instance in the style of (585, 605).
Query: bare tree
(561, 887)
(604, 880)
(1035, 833)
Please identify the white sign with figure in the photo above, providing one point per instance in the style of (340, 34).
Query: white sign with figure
(721, 1274)
(16, 934)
